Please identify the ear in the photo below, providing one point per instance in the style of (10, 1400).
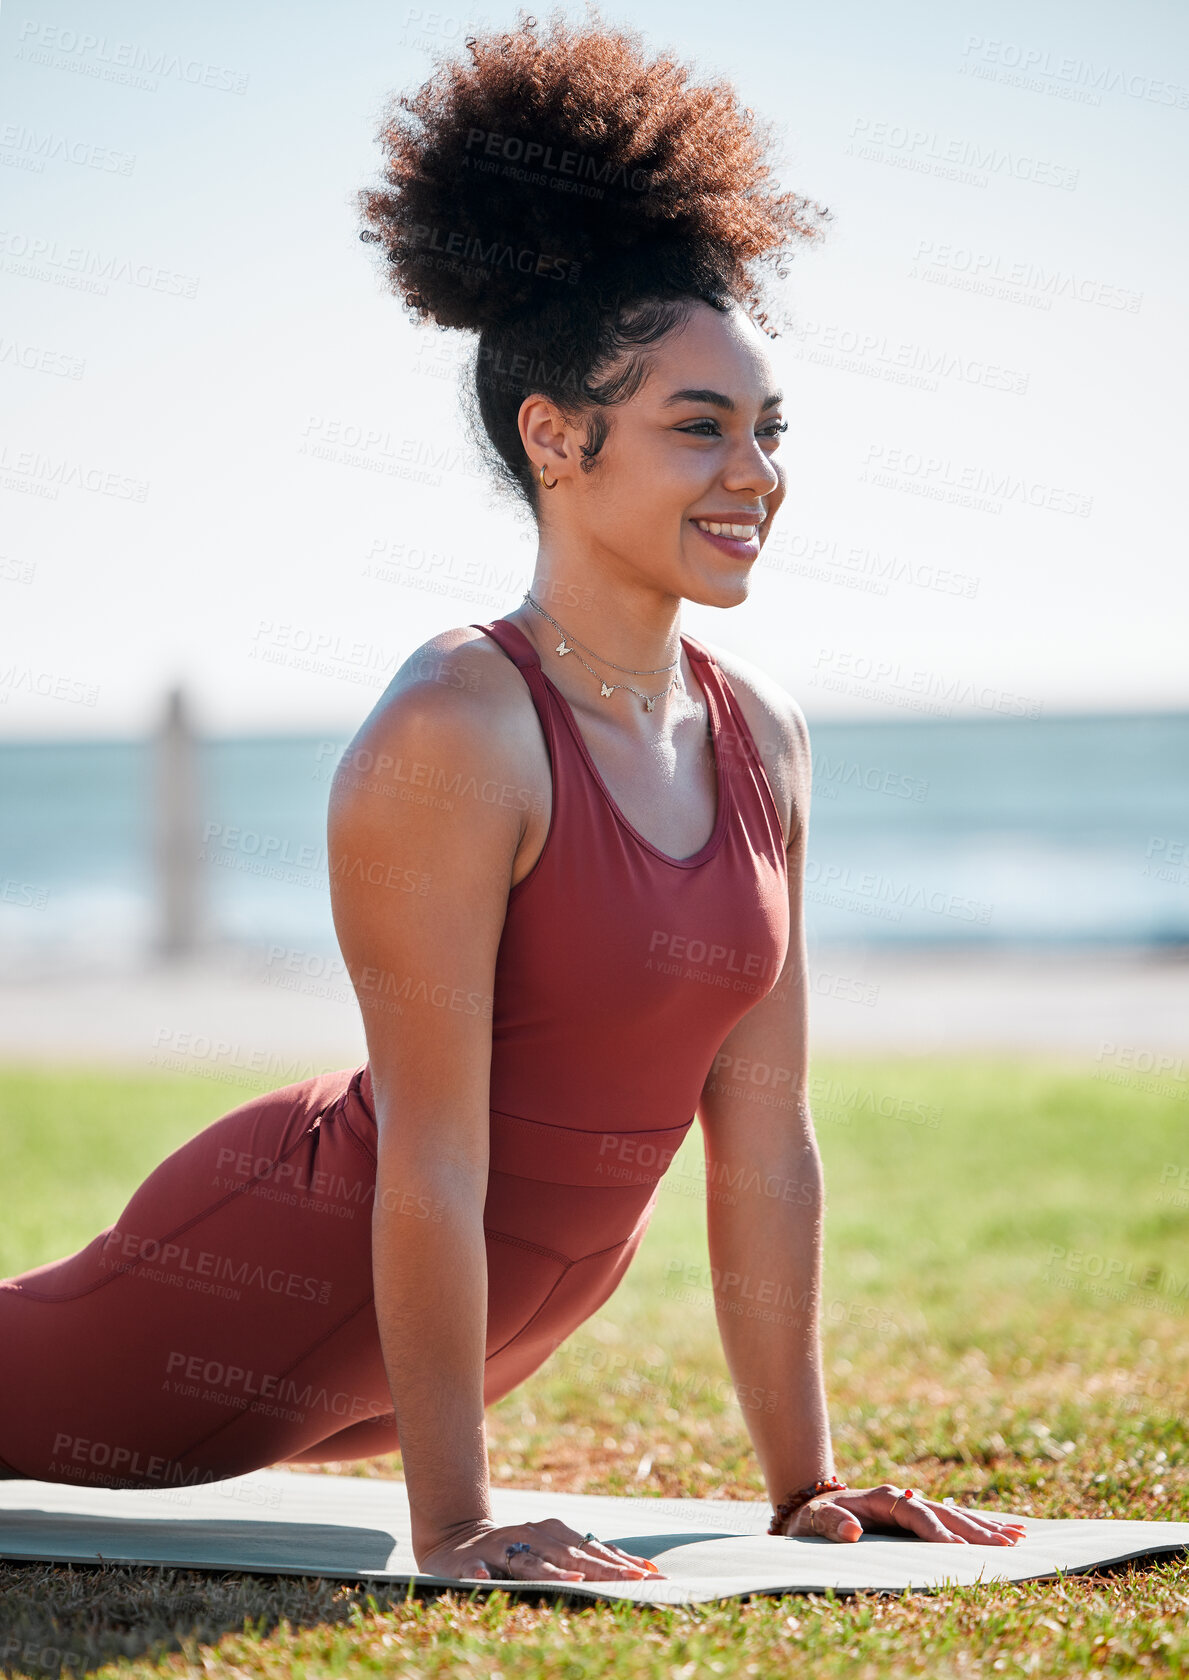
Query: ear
(546, 437)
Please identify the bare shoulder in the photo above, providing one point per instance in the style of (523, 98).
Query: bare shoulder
(781, 734)
(457, 708)
(429, 812)
(459, 683)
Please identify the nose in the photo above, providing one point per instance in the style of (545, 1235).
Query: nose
(751, 470)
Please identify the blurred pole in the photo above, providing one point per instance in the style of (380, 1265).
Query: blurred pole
(177, 806)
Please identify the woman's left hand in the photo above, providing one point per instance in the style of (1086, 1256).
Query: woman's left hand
(845, 1516)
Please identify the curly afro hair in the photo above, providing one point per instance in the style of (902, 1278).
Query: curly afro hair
(566, 198)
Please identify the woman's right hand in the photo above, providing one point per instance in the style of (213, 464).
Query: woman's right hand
(559, 1553)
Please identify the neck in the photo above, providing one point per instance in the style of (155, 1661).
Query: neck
(616, 622)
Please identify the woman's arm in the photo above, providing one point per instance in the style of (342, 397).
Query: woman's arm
(422, 859)
(764, 1185)
(766, 1205)
(420, 871)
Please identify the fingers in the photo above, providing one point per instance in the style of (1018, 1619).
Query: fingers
(599, 1560)
(982, 1528)
(567, 1536)
(571, 1564)
(557, 1552)
(888, 1507)
(828, 1521)
(951, 1525)
(916, 1514)
(594, 1565)
(531, 1566)
(921, 1519)
(609, 1552)
(546, 1551)
(835, 1523)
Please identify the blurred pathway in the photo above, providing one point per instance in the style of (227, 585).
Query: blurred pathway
(1130, 1009)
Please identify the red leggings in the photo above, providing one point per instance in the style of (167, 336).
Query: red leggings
(224, 1323)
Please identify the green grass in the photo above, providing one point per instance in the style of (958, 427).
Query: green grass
(968, 1351)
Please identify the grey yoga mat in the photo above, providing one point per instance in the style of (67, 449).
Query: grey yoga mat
(283, 1522)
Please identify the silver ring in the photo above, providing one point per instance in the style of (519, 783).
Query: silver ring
(516, 1546)
(592, 1537)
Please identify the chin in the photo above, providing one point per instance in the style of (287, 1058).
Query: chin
(719, 592)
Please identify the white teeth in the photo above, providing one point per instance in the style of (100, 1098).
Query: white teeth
(739, 532)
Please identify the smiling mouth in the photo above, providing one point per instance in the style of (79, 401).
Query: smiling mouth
(742, 532)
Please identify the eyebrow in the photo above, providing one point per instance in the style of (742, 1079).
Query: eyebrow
(717, 400)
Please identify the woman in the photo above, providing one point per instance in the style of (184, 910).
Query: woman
(607, 820)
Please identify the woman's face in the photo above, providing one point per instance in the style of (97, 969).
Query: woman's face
(697, 445)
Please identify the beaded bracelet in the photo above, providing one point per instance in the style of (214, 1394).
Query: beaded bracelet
(802, 1496)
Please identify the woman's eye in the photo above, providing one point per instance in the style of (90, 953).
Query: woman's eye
(772, 429)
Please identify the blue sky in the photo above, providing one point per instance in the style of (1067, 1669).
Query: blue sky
(269, 495)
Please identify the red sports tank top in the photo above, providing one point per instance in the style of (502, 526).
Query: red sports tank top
(619, 973)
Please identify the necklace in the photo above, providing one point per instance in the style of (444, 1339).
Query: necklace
(606, 689)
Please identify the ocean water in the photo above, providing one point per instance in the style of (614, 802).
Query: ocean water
(999, 831)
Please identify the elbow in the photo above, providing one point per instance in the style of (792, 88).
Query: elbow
(430, 1191)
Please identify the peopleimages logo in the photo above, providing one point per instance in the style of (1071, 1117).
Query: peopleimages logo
(448, 242)
(875, 355)
(883, 679)
(989, 269)
(126, 62)
(972, 161)
(80, 269)
(936, 475)
(711, 963)
(531, 154)
(1032, 67)
(265, 1385)
(54, 473)
(179, 1264)
(35, 149)
(835, 883)
(119, 1460)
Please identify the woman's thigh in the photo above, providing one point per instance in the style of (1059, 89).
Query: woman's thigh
(224, 1322)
